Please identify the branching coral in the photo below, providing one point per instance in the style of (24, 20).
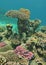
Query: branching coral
(2, 60)
(12, 57)
(34, 23)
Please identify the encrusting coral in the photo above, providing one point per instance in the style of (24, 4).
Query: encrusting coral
(22, 15)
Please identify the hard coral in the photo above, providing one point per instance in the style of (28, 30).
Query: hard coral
(12, 58)
(26, 11)
(2, 28)
(22, 14)
(24, 53)
(43, 28)
(2, 60)
(34, 23)
(11, 63)
(5, 48)
(41, 34)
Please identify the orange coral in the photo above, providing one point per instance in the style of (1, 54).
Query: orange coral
(25, 11)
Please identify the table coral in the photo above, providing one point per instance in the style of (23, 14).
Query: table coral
(22, 13)
(28, 45)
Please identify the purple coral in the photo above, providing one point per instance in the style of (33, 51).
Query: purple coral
(23, 52)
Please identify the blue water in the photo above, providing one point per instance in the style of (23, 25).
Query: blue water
(7, 20)
(37, 7)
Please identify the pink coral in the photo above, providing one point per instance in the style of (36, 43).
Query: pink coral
(23, 52)
(2, 44)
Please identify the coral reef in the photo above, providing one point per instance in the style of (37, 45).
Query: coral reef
(28, 46)
(24, 25)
